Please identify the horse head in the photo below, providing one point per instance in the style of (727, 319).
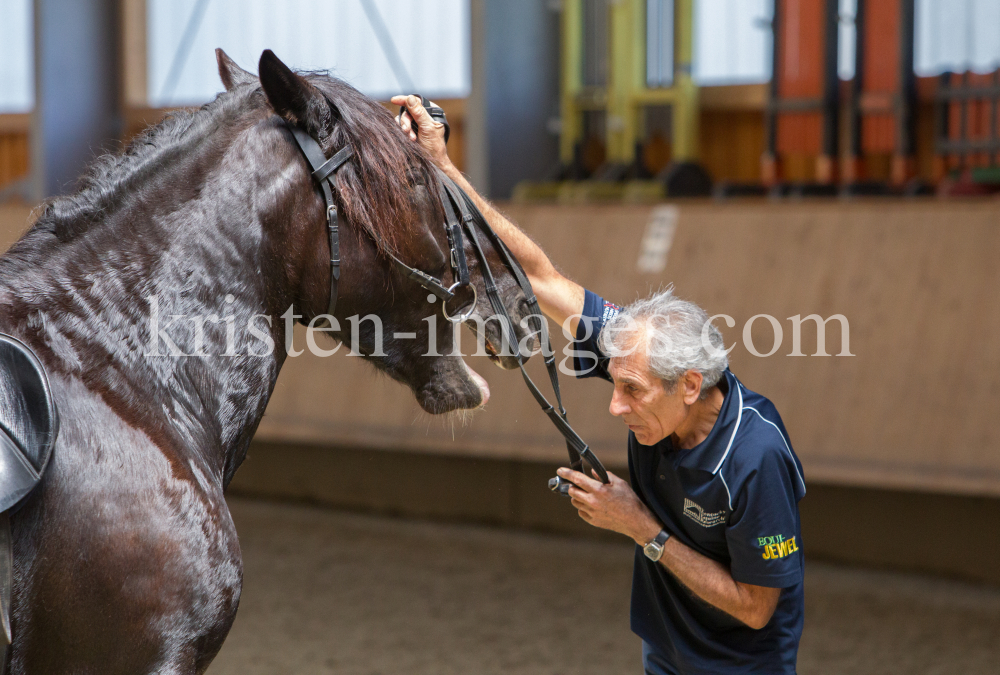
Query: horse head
(387, 199)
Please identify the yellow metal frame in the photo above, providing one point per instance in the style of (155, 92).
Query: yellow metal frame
(626, 93)
(571, 80)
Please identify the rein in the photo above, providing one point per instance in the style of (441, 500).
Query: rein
(576, 447)
(460, 213)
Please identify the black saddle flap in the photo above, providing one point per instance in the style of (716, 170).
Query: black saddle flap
(28, 421)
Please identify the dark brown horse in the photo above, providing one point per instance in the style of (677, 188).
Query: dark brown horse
(151, 297)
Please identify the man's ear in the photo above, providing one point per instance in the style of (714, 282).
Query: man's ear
(294, 98)
(691, 381)
(232, 75)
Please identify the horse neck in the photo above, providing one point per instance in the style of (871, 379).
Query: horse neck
(154, 308)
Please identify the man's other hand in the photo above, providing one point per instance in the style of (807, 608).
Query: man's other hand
(431, 134)
(611, 506)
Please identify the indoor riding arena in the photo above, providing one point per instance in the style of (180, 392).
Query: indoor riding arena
(821, 177)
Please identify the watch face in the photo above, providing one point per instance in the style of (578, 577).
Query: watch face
(653, 551)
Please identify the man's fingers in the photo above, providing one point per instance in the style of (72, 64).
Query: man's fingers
(420, 115)
(406, 124)
(581, 480)
(582, 509)
(413, 106)
(578, 496)
(407, 117)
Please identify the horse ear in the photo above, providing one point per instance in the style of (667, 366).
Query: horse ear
(293, 97)
(231, 74)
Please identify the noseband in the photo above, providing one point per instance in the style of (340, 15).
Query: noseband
(460, 212)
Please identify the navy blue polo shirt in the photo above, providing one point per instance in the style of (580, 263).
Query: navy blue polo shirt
(734, 499)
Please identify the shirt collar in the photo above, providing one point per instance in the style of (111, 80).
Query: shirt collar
(713, 451)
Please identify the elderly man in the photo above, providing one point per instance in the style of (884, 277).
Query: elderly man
(713, 500)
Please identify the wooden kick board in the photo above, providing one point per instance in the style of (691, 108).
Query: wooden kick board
(915, 408)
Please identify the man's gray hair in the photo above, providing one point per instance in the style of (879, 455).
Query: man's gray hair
(678, 337)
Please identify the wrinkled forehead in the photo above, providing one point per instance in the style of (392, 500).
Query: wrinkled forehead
(632, 366)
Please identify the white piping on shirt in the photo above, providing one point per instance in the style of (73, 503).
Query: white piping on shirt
(790, 455)
(728, 494)
(739, 416)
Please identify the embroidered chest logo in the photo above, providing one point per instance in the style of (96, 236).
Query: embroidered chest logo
(777, 547)
(701, 516)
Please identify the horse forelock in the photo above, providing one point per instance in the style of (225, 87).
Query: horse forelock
(376, 187)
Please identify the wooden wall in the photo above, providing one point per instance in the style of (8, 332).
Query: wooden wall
(731, 143)
(14, 149)
(914, 408)
(14, 221)
(732, 136)
(864, 526)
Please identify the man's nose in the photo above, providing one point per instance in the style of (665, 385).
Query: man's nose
(618, 406)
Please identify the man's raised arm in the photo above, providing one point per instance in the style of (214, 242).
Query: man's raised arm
(558, 297)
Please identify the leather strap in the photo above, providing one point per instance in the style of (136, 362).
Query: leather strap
(424, 279)
(334, 163)
(456, 243)
(323, 170)
(333, 234)
(577, 449)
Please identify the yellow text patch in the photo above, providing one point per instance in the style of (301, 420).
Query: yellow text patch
(778, 547)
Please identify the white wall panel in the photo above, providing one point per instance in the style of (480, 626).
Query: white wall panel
(17, 90)
(732, 41)
(431, 36)
(956, 35)
(847, 36)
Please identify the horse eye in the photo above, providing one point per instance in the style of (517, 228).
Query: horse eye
(415, 178)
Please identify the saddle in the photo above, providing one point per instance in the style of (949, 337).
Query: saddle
(29, 425)
(28, 421)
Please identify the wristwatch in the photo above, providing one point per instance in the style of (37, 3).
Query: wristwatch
(654, 549)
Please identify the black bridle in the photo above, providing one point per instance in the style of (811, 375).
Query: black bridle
(323, 172)
(460, 212)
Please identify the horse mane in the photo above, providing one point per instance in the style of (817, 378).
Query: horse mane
(375, 189)
(110, 179)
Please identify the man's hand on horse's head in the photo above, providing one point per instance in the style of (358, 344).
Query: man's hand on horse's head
(431, 133)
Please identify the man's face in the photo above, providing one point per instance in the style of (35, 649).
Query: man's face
(640, 399)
